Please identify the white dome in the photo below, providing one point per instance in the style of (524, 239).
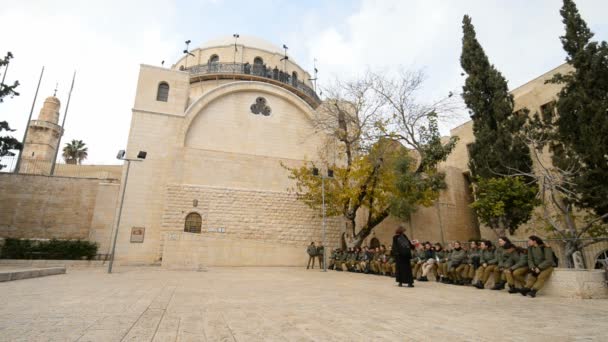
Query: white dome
(249, 41)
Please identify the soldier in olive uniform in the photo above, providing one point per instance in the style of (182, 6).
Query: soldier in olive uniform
(516, 273)
(456, 264)
(320, 254)
(333, 259)
(441, 258)
(351, 260)
(487, 262)
(375, 261)
(505, 260)
(312, 253)
(540, 262)
(472, 263)
(363, 260)
(341, 261)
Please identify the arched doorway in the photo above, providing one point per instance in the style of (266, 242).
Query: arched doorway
(193, 223)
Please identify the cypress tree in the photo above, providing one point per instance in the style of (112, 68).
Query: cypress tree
(497, 151)
(582, 106)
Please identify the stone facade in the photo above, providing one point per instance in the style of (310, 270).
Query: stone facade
(43, 207)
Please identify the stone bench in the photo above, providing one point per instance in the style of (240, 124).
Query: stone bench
(572, 283)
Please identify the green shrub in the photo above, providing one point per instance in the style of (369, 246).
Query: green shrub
(53, 249)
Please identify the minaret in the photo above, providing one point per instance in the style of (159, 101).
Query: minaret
(41, 140)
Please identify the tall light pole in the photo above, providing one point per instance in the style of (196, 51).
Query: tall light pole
(330, 174)
(121, 156)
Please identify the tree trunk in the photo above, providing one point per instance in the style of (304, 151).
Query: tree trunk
(570, 248)
(369, 227)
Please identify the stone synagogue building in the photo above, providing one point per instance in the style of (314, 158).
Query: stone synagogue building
(216, 127)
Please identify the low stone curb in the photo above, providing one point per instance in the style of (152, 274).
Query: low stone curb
(10, 275)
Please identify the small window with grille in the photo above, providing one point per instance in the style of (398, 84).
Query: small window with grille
(162, 94)
(193, 223)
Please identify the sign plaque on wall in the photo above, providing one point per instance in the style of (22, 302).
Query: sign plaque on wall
(137, 234)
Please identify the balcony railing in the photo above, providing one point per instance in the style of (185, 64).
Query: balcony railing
(258, 71)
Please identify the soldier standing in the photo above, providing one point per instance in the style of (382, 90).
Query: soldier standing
(312, 253)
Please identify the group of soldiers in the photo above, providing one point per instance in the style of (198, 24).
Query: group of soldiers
(364, 260)
(525, 271)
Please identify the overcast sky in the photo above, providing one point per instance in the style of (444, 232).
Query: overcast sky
(105, 41)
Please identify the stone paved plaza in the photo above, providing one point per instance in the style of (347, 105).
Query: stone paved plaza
(279, 304)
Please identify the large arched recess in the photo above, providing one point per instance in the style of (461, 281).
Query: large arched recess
(198, 106)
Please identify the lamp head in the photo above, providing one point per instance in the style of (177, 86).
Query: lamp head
(120, 154)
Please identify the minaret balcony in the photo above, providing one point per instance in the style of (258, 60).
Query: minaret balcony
(39, 124)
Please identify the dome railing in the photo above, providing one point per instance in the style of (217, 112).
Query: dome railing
(258, 71)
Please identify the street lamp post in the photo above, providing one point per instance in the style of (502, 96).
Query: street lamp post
(330, 174)
(121, 156)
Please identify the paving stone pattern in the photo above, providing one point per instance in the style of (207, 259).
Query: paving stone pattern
(280, 304)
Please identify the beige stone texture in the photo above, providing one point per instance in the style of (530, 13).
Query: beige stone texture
(42, 138)
(43, 207)
(196, 251)
(280, 304)
(583, 284)
(214, 148)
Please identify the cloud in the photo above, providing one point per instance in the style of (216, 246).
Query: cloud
(105, 42)
(520, 37)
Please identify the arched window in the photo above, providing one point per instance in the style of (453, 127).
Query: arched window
(214, 63)
(193, 223)
(294, 78)
(258, 67)
(162, 94)
(374, 243)
(214, 59)
(602, 260)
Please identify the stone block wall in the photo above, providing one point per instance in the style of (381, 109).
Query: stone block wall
(249, 215)
(195, 251)
(43, 207)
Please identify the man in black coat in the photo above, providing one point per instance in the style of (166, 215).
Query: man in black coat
(402, 250)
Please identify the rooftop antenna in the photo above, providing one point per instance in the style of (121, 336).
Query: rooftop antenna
(236, 37)
(187, 52)
(27, 126)
(314, 79)
(285, 57)
(55, 92)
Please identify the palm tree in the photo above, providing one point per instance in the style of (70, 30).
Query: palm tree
(75, 152)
